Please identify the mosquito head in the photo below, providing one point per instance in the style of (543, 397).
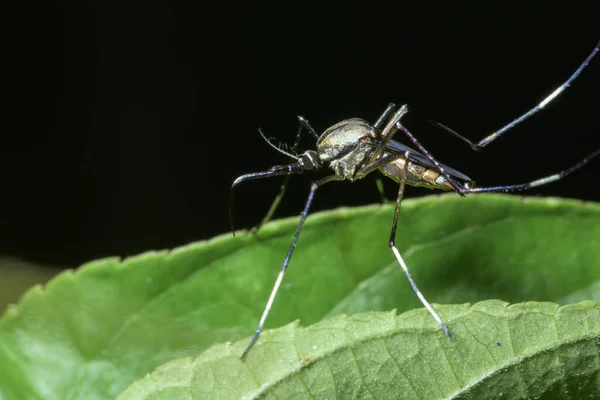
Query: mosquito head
(309, 160)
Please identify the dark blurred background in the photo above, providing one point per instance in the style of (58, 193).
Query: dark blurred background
(125, 123)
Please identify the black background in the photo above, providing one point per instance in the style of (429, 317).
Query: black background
(124, 124)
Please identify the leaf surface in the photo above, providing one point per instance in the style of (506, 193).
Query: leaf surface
(528, 350)
(90, 333)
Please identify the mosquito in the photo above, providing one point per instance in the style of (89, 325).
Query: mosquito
(354, 148)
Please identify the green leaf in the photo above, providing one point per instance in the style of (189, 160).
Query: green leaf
(530, 350)
(90, 333)
(18, 275)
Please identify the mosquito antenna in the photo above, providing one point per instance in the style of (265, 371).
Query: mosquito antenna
(295, 157)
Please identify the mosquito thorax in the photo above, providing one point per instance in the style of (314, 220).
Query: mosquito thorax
(345, 146)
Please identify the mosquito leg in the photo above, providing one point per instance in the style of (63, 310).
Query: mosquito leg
(381, 190)
(388, 132)
(279, 170)
(459, 188)
(375, 165)
(392, 245)
(495, 135)
(273, 207)
(303, 123)
(381, 120)
(535, 183)
(313, 188)
(488, 139)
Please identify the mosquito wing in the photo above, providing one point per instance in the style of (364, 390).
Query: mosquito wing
(398, 148)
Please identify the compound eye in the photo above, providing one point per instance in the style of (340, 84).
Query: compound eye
(307, 162)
